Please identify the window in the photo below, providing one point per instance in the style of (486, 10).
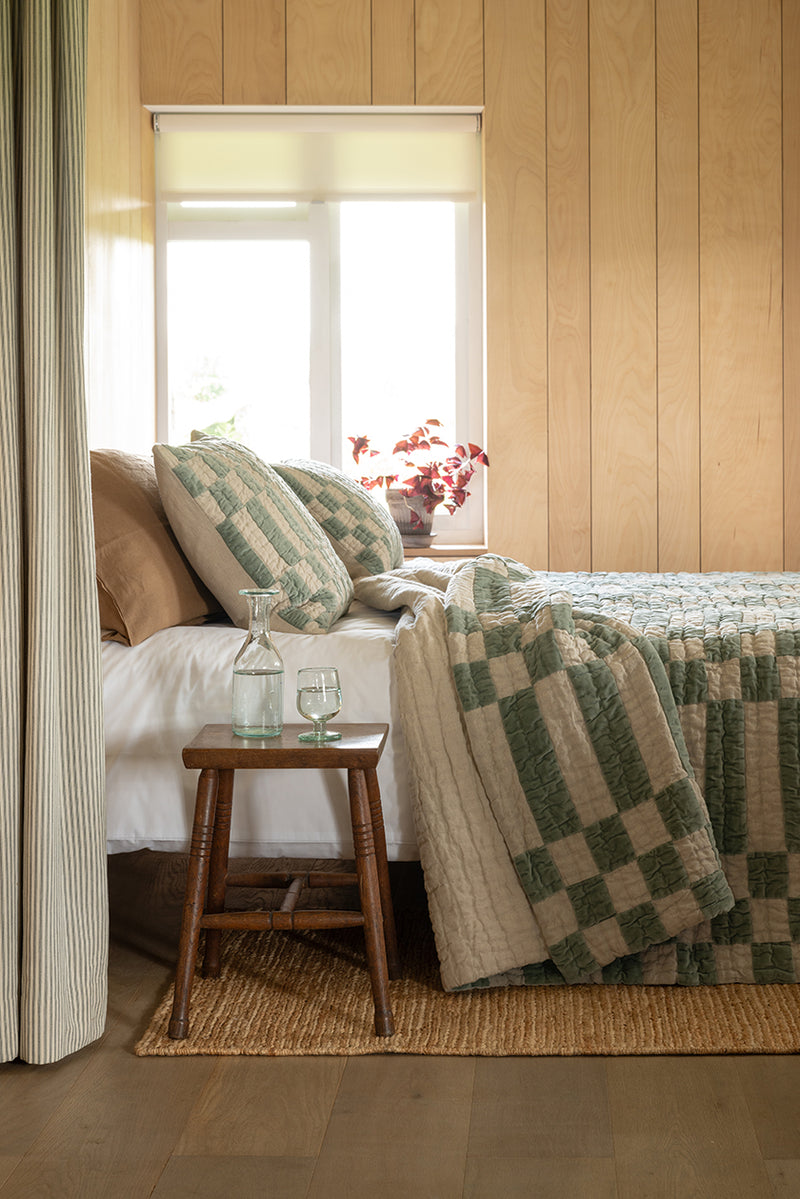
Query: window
(295, 313)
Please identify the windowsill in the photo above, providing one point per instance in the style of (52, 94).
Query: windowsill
(444, 551)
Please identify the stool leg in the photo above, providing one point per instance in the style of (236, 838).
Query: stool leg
(196, 880)
(218, 870)
(369, 891)
(387, 908)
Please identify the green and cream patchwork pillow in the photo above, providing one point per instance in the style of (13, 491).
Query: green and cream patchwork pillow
(360, 530)
(241, 526)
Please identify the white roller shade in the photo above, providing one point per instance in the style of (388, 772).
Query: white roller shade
(306, 156)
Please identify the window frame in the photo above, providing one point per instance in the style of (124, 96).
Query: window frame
(466, 527)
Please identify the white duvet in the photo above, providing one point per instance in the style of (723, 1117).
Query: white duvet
(160, 693)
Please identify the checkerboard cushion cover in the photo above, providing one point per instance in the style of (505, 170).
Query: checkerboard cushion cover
(360, 530)
(241, 526)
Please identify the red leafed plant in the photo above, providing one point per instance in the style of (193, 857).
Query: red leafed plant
(419, 467)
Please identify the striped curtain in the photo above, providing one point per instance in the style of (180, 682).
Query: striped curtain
(53, 909)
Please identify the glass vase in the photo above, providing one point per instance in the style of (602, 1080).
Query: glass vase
(257, 708)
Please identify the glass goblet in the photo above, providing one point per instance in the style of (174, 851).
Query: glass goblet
(319, 697)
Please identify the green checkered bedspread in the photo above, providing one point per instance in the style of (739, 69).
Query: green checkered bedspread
(638, 737)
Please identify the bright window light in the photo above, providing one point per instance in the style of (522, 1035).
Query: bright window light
(398, 319)
(349, 318)
(238, 330)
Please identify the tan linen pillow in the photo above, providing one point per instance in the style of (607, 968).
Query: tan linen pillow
(144, 582)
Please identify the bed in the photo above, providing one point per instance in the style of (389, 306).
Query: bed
(158, 694)
(170, 634)
(599, 773)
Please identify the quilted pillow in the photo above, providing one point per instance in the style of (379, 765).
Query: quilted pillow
(360, 530)
(241, 526)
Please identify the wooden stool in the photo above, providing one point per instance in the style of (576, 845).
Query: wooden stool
(217, 753)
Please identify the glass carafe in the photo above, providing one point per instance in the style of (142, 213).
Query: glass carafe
(257, 709)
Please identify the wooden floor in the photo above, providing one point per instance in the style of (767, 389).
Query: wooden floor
(108, 1124)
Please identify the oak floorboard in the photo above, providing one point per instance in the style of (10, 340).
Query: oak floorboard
(209, 1177)
(263, 1107)
(540, 1107)
(772, 1088)
(126, 969)
(682, 1127)
(785, 1178)
(132, 1000)
(390, 1171)
(30, 1095)
(123, 1108)
(77, 1178)
(399, 1127)
(546, 1178)
(7, 1166)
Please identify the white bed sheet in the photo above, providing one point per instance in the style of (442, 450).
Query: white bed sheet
(159, 694)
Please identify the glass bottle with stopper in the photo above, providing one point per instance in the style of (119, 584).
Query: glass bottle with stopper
(257, 709)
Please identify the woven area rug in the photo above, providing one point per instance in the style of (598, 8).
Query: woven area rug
(308, 993)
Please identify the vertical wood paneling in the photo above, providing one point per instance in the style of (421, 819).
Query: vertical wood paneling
(623, 344)
(119, 232)
(740, 285)
(645, 463)
(393, 52)
(254, 45)
(516, 254)
(181, 51)
(569, 389)
(449, 50)
(328, 57)
(791, 282)
(678, 283)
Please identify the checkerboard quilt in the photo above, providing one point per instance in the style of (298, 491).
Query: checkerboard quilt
(729, 648)
(730, 645)
(576, 736)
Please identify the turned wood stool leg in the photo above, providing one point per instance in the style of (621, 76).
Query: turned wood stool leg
(387, 908)
(196, 880)
(370, 895)
(218, 870)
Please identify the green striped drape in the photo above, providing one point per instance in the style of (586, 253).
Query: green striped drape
(53, 912)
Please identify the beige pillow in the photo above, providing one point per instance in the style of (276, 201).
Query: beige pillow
(241, 526)
(144, 582)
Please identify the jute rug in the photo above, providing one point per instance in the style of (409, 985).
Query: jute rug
(308, 993)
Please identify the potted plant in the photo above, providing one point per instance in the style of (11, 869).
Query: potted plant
(421, 473)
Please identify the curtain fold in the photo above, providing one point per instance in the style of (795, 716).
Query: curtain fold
(53, 903)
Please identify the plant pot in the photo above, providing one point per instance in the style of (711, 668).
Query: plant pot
(400, 509)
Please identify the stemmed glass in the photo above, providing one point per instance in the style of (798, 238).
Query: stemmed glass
(319, 697)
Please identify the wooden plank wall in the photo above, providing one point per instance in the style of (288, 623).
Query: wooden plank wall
(119, 235)
(642, 171)
(678, 296)
(623, 285)
(741, 284)
(516, 254)
(791, 285)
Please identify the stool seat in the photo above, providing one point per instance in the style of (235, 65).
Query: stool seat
(217, 753)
